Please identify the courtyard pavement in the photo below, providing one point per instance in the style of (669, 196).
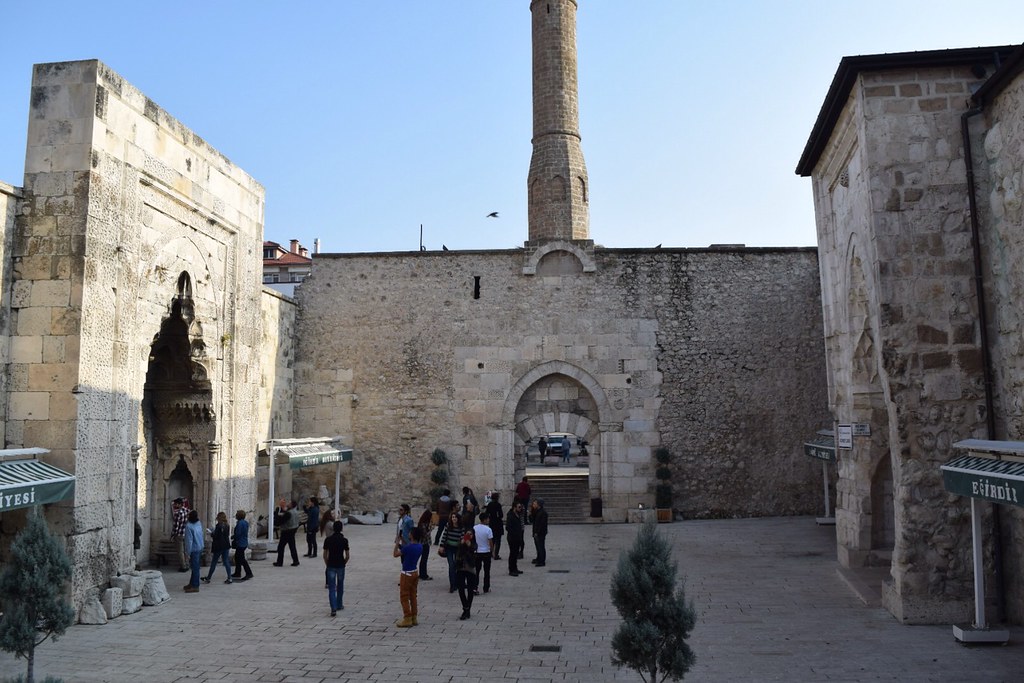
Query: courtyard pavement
(771, 607)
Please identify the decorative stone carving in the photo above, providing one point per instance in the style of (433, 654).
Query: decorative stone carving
(113, 602)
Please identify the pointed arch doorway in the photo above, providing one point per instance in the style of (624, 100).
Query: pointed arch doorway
(554, 397)
(178, 417)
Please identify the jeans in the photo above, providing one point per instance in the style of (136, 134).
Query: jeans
(450, 556)
(216, 557)
(467, 583)
(514, 550)
(336, 587)
(424, 556)
(241, 563)
(408, 584)
(441, 524)
(193, 563)
(287, 539)
(538, 543)
(484, 560)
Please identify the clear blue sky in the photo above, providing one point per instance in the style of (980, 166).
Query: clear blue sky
(364, 120)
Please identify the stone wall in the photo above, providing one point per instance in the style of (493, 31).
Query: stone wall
(1000, 198)
(277, 386)
(900, 329)
(129, 219)
(9, 199)
(713, 354)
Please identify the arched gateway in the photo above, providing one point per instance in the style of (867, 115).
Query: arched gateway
(553, 397)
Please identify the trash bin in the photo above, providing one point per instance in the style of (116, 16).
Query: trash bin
(595, 507)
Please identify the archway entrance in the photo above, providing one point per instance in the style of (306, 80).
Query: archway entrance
(178, 418)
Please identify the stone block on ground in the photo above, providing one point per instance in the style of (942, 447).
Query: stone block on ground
(131, 585)
(155, 590)
(131, 605)
(113, 602)
(257, 551)
(92, 611)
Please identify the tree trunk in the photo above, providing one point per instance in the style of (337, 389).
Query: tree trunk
(30, 674)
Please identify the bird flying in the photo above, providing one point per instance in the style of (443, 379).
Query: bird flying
(492, 214)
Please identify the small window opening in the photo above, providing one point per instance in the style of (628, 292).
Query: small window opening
(476, 286)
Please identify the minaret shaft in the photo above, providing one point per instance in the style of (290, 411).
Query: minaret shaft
(557, 184)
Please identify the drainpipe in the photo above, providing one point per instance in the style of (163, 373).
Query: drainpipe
(986, 356)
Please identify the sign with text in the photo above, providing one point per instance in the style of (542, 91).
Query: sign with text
(862, 429)
(844, 436)
(999, 481)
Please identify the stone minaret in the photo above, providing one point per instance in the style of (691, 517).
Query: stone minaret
(557, 184)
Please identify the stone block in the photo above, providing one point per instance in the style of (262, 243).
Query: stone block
(29, 405)
(131, 605)
(54, 293)
(34, 321)
(52, 376)
(113, 602)
(154, 591)
(27, 349)
(92, 611)
(130, 584)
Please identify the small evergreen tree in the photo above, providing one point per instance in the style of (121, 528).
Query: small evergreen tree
(32, 592)
(656, 617)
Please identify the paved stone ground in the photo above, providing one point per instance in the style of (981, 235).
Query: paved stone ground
(771, 608)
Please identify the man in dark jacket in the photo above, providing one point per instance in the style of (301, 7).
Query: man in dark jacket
(540, 531)
(514, 525)
(497, 522)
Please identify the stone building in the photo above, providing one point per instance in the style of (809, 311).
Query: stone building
(145, 354)
(915, 161)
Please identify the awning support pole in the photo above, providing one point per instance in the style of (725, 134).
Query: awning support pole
(828, 501)
(979, 569)
(270, 506)
(337, 488)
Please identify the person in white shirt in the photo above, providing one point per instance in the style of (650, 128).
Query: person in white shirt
(484, 536)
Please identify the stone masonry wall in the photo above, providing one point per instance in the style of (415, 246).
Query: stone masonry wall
(276, 409)
(9, 198)
(903, 333)
(120, 201)
(715, 355)
(1001, 204)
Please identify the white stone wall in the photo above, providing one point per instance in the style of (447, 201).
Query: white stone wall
(120, 200)
(276, 409)
(716, 355)
(9, 197)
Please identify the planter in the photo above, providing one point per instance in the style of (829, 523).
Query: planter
(664, 515)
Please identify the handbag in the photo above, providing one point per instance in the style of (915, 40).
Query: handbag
(440, 550)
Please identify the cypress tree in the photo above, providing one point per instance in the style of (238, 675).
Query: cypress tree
(656, 617)
(32, 592)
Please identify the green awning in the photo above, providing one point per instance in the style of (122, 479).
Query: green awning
(28, 482)
(310, 455)
(976, 476)
(822, 446)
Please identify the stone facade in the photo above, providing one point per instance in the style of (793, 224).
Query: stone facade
(714, 354)
(903, 341)
(135, 329)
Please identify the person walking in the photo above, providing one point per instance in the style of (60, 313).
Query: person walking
(496, 518)
(403, 531)
(444, 511)
(220, 547)
(289, 520)
(484, 537)
(335, 558)
(514, 524)
(450, 544)
(194, 547)
(465, 565)
(566, 448)
(312, 511)
(425, 524)
(540, 531)
(240, 542)
(542, 447)
(408, 582)
(179, 518)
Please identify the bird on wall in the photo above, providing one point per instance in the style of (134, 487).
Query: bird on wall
(444, 248)
(492, 214)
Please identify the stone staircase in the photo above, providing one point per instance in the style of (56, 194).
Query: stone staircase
(566, 496)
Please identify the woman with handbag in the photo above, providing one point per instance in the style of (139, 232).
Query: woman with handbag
(449, 545)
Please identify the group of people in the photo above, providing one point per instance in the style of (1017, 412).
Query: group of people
(187, 533)
(468, 537)
(469, 540)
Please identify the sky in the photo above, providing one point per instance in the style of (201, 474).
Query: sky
(365, 120)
